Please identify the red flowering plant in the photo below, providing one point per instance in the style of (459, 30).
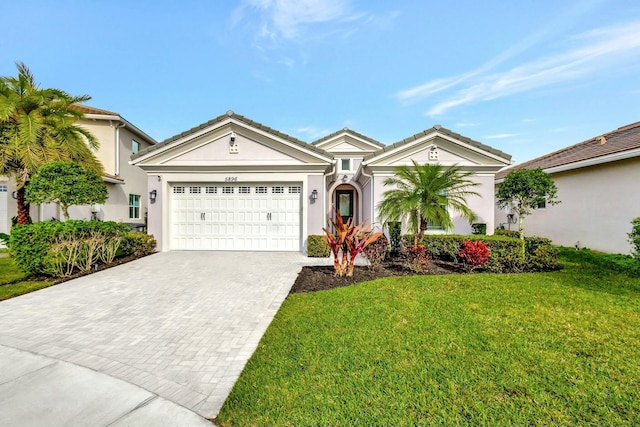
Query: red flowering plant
(474, 254)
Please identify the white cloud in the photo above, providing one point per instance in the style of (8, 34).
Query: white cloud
(312, 133)
(596, 50)
(290, 19)
(500, 136)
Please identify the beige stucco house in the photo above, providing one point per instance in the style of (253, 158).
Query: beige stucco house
(235, 184)
(127, 185)
(598, 184)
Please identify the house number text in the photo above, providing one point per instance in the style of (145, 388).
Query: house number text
(231, 179)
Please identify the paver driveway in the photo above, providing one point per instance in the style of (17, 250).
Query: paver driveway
(179, 324)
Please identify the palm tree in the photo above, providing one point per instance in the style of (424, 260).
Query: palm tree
(424, 194)
(37, 126)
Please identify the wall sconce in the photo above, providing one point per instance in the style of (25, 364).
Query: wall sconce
(314, 195)
(14, 194)
(344, 178)
(233, 138)
(152, 196)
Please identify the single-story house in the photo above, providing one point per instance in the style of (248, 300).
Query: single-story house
(598, 184)
(234, 184)
(126, 184)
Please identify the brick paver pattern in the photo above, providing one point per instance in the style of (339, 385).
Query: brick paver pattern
(179, 324)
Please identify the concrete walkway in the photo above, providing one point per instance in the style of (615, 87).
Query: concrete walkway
(40, 391)
(180, 325)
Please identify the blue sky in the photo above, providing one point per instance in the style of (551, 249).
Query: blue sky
(526, 77)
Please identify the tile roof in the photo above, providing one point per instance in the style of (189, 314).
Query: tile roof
(347, 130)
(444, 131)
(240, 118)
(85, 109)
(622, 139)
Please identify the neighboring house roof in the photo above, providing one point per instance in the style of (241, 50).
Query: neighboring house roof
(85, 109)
(112, 179)
(443, 131)
(350, 131)
(238, 117)
(601, 149)
(98, 114)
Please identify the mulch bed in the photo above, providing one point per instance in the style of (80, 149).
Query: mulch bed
(320, 278)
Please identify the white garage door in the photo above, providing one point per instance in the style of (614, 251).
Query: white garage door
(226, 216)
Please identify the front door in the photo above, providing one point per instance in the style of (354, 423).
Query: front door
(344, 204)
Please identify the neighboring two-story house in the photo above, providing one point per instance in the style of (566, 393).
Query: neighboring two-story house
(127, 185)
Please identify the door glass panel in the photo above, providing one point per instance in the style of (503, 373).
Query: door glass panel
(344, 201)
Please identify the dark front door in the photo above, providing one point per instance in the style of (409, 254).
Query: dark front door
(344, 204)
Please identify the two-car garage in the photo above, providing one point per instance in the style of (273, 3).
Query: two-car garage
(235, 216)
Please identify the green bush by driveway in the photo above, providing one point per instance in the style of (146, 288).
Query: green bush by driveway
(554, 348)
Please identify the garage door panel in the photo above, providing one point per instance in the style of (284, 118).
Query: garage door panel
(236, 217)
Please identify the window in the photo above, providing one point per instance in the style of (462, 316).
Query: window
(294, 190)
(194, 190)
(135, 146)
(178, 190)
(541, 205)
(227, 190)
(211, 190)
(277, 190)
(244, 190)
(345, 164)
(3, 189)
(432, 225)
(261, 190)
(134, 206)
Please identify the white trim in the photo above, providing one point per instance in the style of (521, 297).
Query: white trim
(125, 122)
(426, 138)
(112, 180)
(341, 138)
(590, 162)
(228, 122)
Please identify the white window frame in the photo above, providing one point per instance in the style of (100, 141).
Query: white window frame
(133, 198)
(350, 169)
(135, 146)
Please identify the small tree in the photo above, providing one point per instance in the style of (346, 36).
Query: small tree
(524, 190)
(66, 184)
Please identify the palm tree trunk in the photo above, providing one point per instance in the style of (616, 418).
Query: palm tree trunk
(522, 243)
(23, 207)
(419, 237)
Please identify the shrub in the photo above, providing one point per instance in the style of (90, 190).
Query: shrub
(317, 246)
(504, 251)
(58, 248)
(474, 253)
(543, 258)
(508, 233)
(634, 238)
(479, 228)
(138, 243)
(376, 252)
(395, 235)
(415, 258)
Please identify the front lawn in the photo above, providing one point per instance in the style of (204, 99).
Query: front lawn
(555, 348)
(13, 281)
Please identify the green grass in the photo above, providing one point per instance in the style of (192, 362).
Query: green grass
(555, 348)
(13, 281)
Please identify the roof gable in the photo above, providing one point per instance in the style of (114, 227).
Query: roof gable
(348, 141)
(454, 147)
(208, 144)
(600, 149)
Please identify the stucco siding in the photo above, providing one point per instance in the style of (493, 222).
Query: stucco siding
(596, 209)
(313, 208)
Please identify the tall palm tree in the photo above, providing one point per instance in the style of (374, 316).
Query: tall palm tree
(38, 126)
(424, 194)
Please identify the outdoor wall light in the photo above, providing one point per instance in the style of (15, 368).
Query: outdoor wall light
(152, 195)
(344, 178)
(14, 194)
(314, 195)
(233, 138)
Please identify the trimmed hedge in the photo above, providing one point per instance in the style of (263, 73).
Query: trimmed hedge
(508, 233)
(317, 246)
(59, 248)
(541, 255)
